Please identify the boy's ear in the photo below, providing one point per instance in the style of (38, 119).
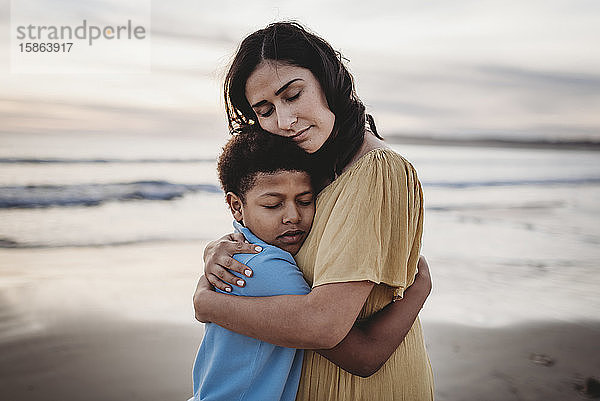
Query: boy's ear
(235, 205)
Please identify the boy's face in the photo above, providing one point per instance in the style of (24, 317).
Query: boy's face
(279, 208)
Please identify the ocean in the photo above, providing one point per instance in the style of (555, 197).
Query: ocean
(511, 234)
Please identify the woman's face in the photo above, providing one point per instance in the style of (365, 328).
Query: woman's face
(289, 101)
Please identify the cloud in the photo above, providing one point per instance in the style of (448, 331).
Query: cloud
(564, 81)
(26, 115)
(435, 66)
(218, 38)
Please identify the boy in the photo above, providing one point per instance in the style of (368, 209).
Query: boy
(268, 183)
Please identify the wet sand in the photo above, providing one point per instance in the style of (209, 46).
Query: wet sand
(543, 361)
(116, 323)
(116, 360)
(100, 360)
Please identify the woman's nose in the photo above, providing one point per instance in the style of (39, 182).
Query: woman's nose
(291, 215)
(285, 119)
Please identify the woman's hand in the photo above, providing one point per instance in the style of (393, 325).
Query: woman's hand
(370, 343)
(218, 260)
(423, 277)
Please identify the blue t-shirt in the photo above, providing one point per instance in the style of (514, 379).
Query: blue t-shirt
(232, 367)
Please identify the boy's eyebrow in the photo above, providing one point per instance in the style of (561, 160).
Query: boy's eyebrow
(284, 87)
(271, 194)
(279, 195)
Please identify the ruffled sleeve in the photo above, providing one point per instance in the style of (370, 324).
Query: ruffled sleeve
(374, 223)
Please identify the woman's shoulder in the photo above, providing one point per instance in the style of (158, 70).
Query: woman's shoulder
(380, 158)
(374, 149)
(377, 171)
(373, 168)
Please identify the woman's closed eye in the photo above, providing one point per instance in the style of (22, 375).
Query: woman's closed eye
(292, 98)
(271, 109)
(267, 113)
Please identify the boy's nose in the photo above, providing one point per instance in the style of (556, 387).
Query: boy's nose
(291, 215)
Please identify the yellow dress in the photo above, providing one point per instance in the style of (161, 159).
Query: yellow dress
(368, 226)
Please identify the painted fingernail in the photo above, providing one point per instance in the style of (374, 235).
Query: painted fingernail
(227, 289)
(248, 272)
(258, 248)
(240, 283)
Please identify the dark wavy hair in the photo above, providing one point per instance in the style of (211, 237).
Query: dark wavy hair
(292, 44)
(252, 151)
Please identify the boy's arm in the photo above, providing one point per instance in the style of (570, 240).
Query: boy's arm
(370, 343)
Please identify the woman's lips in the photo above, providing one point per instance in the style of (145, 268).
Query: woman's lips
(301, 135)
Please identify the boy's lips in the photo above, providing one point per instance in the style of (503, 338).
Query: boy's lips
(291, 236)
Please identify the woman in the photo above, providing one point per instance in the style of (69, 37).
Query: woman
(363, 249)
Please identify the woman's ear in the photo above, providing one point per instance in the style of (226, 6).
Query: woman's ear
(235, 205)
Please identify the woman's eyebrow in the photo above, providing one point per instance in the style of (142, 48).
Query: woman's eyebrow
(284, 87)
(258, 104)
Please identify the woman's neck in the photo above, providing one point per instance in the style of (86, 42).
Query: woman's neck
(369, 143)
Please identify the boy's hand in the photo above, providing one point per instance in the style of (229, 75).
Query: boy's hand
(218, 260)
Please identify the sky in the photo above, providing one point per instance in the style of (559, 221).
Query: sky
(481, 69)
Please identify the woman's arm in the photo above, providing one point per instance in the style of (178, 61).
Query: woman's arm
(320, 319)
(369, 344)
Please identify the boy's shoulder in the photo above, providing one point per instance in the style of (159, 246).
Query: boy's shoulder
(275, 271)
(268, 252)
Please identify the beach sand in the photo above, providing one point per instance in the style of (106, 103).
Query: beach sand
(116, 323)
(545, 361)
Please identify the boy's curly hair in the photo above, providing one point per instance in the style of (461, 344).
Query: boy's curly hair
(252, 151)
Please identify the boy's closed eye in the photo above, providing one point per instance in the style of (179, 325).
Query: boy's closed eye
(300, 202)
